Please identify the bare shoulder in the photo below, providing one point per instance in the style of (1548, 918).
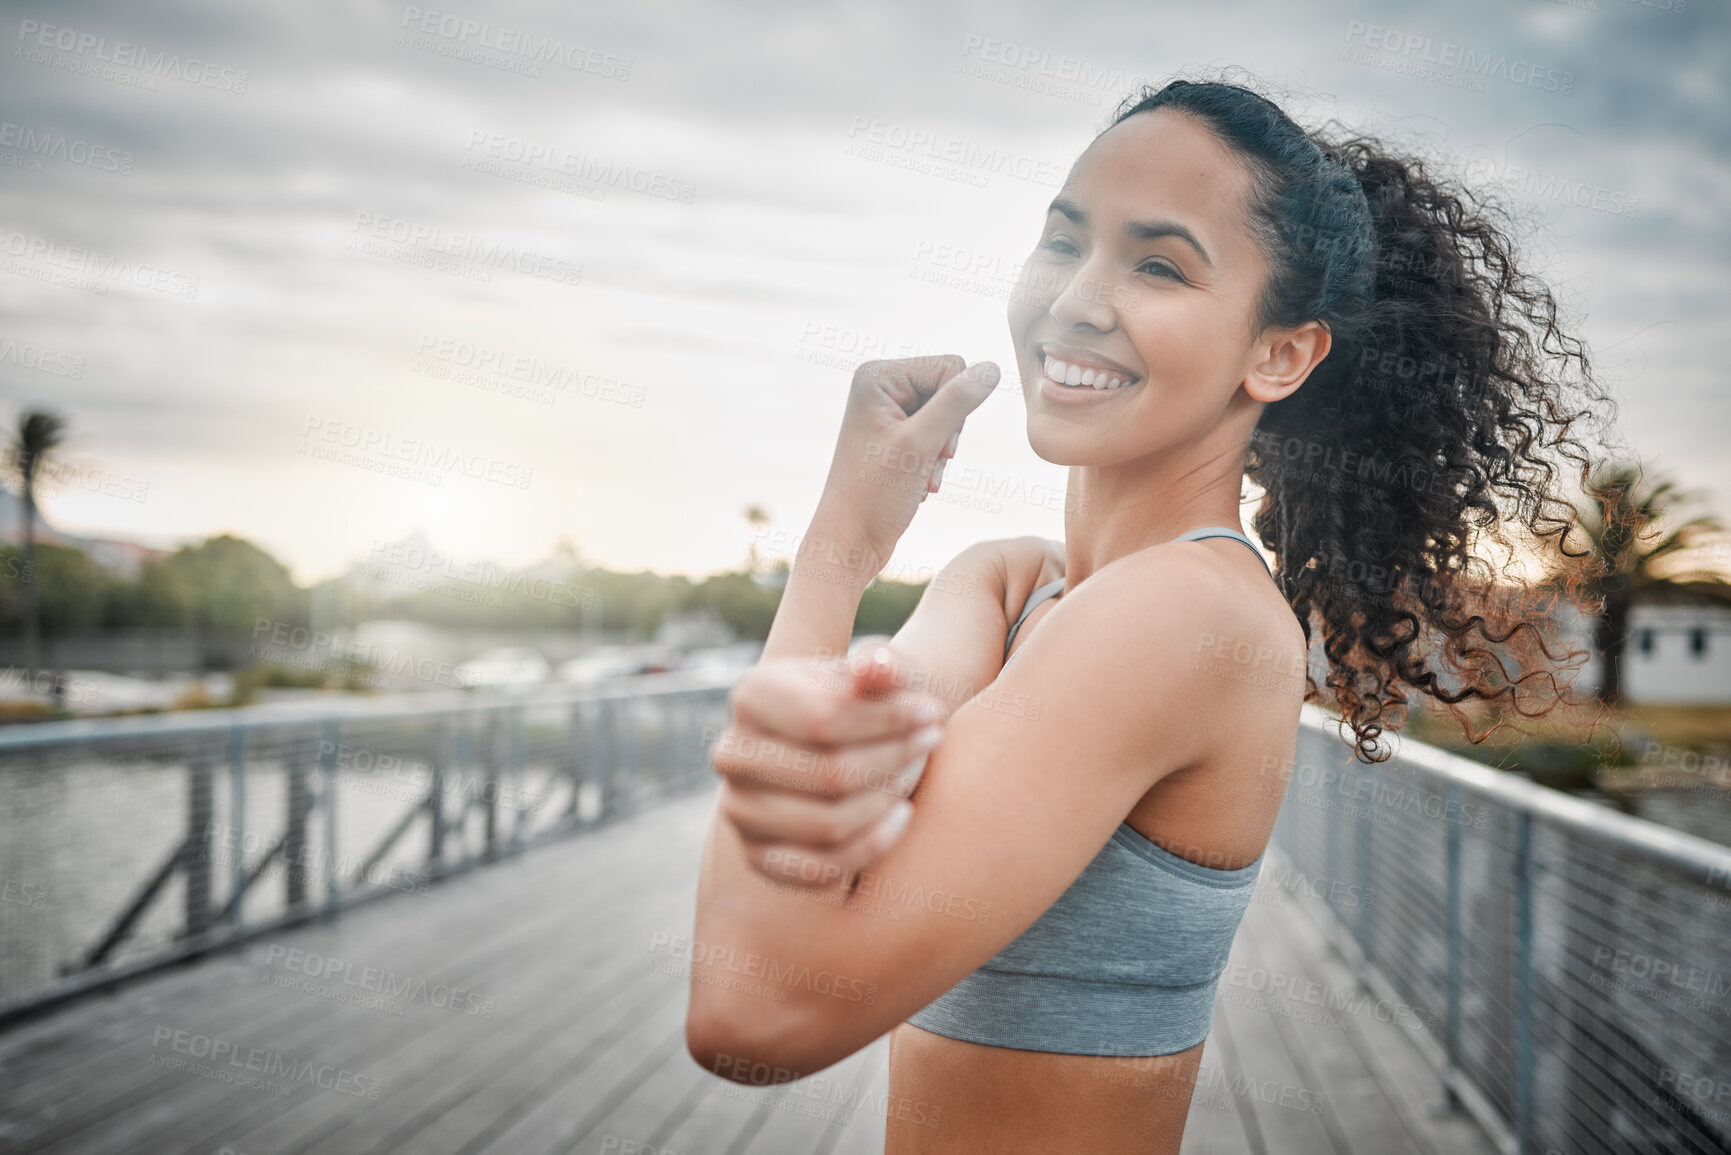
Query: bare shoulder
(1213, 591)
(1167, 610)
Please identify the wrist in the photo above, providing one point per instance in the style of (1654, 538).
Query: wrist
(837, 540)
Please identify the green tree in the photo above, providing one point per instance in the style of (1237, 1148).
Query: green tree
(223, 585)
(73, 591)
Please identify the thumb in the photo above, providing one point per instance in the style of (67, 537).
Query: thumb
(877, 673)
(943, 413)
(882, 673)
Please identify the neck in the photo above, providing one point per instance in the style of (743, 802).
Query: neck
(1115, 510)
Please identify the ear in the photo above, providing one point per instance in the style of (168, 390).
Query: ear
(1283, 358)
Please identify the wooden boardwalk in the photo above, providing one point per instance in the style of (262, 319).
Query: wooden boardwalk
(536, 1018)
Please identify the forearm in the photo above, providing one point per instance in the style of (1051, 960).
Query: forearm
(770, 963)
(834, 563)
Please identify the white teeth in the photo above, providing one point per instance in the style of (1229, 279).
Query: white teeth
(1075, 376)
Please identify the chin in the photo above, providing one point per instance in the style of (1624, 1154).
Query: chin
(1067, 447)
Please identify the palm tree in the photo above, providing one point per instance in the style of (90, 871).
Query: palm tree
(755, 516)
(39, 434)
(1630, 533)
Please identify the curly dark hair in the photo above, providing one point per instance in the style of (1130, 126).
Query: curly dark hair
(1446, 417)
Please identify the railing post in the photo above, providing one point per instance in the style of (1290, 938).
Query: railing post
(200, 814)
(1524, 983)
(1366, 937)
(464, 768)
(691, 733)
(1452, 1021)
(294, 842)
(490, 784)
(631, 747)
(328, 749)
(237, 819)
(514, 752)
(572, 748)
(601, 767)
(436, 797)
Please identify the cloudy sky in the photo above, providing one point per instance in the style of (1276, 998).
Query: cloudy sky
(276, 261)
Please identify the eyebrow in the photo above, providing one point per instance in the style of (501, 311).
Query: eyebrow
(1140, 230)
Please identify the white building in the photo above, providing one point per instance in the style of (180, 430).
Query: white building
(1678, 653)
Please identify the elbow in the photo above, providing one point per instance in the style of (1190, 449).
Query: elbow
(753, 1050)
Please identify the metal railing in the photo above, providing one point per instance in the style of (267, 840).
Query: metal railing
(1569, 965)
(129, 843)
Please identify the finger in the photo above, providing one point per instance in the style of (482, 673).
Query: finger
(955, 440)
(941, 417)
(883, 671)
(811, 703)
(783, 816)
(877, 671)
(766, 763)
(910, 380)
(805, 866)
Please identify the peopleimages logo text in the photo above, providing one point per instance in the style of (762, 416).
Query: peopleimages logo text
(1447, 54)
(124, 54)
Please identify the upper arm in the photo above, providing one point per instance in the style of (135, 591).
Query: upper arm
(954, 640)
(1032, 777)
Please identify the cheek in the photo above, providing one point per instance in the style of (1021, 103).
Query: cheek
(1186, 335)
(1029, 301)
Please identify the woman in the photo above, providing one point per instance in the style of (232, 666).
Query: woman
(1215, 295)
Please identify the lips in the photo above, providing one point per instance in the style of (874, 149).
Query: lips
(1077, 368)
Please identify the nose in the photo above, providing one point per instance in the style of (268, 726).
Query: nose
(1083, 302)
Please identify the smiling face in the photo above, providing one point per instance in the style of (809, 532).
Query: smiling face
(1142, 294)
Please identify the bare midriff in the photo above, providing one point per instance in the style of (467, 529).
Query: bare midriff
(950, 1097)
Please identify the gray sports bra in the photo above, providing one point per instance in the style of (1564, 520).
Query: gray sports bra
(1125, 962)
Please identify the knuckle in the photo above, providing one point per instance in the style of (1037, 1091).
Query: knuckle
(825, 720)
(868, 370)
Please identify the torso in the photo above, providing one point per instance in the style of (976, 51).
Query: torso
(1218, 812)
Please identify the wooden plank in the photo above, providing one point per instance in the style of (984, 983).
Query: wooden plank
(805, 1111)
(550, 965)
(295, 1017)
(1208, 1130)
(864, 1133)
(441, 1068)
(1392, 1054)
(1267, 1085)
(1325, 1062)
(585, 1090)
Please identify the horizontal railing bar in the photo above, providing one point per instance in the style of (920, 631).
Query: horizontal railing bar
(1706, 859)
(27, 736)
